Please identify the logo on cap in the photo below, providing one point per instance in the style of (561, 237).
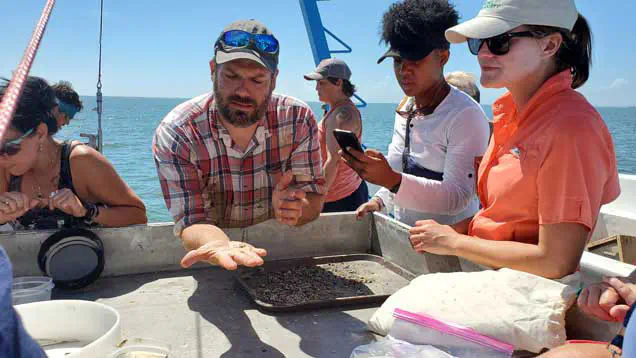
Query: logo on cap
(491, 4)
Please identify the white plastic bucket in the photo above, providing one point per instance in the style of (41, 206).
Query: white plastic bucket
(32, 289)
(72, 328)
(83, 329)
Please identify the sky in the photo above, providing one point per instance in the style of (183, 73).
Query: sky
(161, 48)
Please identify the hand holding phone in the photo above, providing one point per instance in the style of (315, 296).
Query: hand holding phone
(347, 139)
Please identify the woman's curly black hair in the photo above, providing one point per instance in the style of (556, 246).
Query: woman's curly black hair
(35, 105)
(410, 24)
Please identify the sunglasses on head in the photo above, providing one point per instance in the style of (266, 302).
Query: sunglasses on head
(13, 147)
(498, 45)
(239, 39)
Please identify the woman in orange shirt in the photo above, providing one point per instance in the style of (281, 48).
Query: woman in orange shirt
(551, 163)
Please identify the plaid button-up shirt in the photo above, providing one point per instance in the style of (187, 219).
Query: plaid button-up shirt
(205, 177)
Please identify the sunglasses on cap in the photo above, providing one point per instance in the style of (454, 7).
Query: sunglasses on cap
(240, 39)
(13, 147)
(498, 45)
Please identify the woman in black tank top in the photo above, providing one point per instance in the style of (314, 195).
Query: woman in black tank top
(41, 217)
(47, 184)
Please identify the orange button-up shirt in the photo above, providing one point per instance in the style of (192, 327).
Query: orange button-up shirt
(553, 162)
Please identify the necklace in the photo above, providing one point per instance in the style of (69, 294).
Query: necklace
(52, 182)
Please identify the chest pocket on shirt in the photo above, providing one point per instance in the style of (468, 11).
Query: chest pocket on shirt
(215, 201)
(264, 182)
(517, 169)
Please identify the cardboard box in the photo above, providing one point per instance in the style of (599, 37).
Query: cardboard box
(617, 247)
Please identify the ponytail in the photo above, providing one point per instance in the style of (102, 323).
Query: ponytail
(576, 50)
(576, 53)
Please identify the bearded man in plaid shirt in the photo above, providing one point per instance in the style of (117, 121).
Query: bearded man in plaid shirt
(239, 155)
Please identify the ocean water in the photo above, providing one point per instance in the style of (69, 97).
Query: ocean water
(128, 125)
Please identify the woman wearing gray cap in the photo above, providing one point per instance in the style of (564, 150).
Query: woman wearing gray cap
(346, 191)
(551, 163)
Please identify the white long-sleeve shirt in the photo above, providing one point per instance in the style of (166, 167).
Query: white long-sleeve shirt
(446, 141)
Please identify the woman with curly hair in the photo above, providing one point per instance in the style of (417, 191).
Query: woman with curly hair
(439, 130)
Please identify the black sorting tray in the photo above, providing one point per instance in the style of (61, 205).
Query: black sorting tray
(382, 278)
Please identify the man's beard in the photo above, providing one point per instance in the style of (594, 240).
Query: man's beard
(237, 117)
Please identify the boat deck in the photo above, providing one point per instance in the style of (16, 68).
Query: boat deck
(205, 313)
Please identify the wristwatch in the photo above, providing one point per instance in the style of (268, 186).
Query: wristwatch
(92, 211)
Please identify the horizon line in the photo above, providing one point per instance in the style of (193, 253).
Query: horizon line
(393, 103)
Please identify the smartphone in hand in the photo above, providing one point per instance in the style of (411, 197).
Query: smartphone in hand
(347, 139)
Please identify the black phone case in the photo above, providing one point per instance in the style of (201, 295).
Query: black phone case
(347, 139)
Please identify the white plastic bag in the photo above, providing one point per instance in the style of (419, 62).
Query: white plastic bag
(459, 341)
(516, 307)
(390, 347)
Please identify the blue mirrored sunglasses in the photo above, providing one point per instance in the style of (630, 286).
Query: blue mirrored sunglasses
(238, 39)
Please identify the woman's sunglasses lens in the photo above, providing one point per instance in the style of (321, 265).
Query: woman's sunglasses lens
(499, 45)
(10, 149)
(474, 45)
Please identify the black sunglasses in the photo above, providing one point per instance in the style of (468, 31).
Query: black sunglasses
(498, 45)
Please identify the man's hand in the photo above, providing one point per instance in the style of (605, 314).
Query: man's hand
(372, 166)
(287, 201)
(608, 300)
(228, 255)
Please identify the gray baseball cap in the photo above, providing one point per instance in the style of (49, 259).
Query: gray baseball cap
(224, 53)
(330, 67)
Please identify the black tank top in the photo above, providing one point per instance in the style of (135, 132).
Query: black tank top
(43, 218)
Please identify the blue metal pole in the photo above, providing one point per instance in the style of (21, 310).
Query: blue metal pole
(317, 36)
(315, 30)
